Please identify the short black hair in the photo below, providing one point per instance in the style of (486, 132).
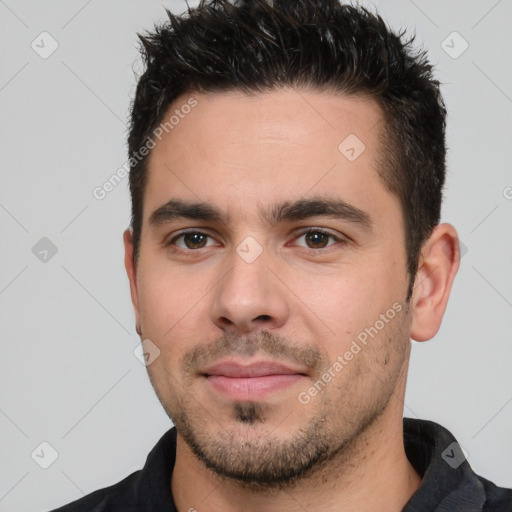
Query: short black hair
(262, 45)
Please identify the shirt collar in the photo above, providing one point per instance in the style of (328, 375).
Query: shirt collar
(448, 482)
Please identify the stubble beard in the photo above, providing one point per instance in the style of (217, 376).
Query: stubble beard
(268, 462)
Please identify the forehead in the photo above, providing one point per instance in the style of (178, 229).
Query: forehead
(238, 150)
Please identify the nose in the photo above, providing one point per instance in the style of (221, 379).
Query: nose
(249, 297)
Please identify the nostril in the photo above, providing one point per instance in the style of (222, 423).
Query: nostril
(226, 321)
(263, 317)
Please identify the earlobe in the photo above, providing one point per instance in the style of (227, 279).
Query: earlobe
(131, 271)
(438, 265)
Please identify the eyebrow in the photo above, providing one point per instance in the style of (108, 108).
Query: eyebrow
(322, 207)
(301, 209)
(177, 209)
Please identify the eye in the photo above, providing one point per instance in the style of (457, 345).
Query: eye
(317, 239)
(191, 240)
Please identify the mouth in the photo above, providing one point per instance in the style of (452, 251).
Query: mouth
(253, 381)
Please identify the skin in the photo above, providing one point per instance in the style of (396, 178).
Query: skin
(302, 301)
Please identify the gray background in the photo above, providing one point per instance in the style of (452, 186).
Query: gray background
(68, 375)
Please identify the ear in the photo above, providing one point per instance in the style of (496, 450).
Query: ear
(437, 267)
(131, 270)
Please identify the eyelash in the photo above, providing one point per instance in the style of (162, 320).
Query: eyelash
(337, 239)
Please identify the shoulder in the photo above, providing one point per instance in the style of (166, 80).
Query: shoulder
(448, 480)
(145, 489)
(498, 499)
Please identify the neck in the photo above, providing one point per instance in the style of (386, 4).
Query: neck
(373, 473)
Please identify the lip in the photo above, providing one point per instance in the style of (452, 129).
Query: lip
(254, 381)
(251, 370)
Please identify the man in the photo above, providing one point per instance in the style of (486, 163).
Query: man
(287, 166)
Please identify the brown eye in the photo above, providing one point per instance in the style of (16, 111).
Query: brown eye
(317, 239)
(192, 240)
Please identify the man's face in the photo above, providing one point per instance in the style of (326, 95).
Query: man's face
(294, 257)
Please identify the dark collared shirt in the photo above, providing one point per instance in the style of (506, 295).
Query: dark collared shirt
(448, 482)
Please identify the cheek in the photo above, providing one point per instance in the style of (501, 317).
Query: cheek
(174, 310)
(350, 303)
(164, 300)
(156, 300)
